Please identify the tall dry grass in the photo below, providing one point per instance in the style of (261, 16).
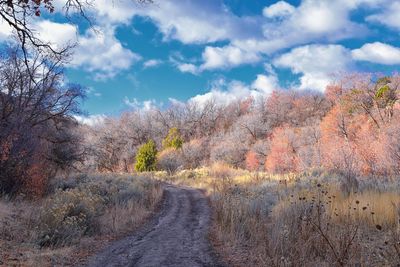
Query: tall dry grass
(299, 219)
(79, 215)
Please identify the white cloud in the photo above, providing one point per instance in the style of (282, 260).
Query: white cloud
(59, 35)
(311, 21)
(248, 38)
(5, 30)
(103, 54)
(211, 20)
(220, 58)
(226, 57)
(56, 34)
(284, 26)
(140, 105)
(378, 53)
(321, 17)
(91, 120)
(208, 21)
(99, 52)
(279, 9)
(113, 12)
(266, 83)
(176, 102)
(224, 92)
(181, 63)
(316, 64)
(198, 21)
(152, 63)
(388, 15)
(188, 67)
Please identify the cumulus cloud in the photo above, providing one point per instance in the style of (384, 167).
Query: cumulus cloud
(266, 83)
(283, 26)
(378, 53)
(198, 21)
(59, 35)
(56, 34)
(219, 58)
(226, 57)
(102, 54)
(279, 9)
(209, 21)
(224, 92)
(316, 63)
(388, 15)
(91, 120)
(311, 21)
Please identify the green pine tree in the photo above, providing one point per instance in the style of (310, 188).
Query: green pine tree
(146, 157)
(173, 139)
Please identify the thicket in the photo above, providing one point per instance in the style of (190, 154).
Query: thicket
(38, 135)
(352, 129)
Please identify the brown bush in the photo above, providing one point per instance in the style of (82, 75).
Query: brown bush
(170, 160)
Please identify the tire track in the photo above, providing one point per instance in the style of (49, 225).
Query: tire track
(177, 236)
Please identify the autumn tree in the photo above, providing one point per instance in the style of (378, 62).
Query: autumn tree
(283, 151)
(252, 161)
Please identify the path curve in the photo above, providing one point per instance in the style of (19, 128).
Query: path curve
(177, 236)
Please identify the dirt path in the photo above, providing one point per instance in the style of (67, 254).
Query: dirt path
(176, 237)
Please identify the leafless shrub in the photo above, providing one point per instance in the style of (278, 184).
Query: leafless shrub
(170, 160)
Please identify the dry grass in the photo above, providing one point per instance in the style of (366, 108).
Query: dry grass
(298, 219)
(369, 207)
(79, 216)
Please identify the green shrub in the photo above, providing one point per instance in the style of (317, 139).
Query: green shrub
(146, 157)
(173, 139)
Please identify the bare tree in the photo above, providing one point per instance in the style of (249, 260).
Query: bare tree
(35, 119)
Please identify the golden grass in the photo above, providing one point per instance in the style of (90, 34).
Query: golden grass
(369, 207)
(270, 220)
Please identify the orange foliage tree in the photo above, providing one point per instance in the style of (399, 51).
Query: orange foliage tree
(252, 161)
(282, 156)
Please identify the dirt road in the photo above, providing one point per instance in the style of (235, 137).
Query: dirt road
(176, 237)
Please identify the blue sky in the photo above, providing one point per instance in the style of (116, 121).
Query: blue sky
(145, 56)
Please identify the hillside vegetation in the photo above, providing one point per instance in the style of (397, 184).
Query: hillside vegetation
(352, 129)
